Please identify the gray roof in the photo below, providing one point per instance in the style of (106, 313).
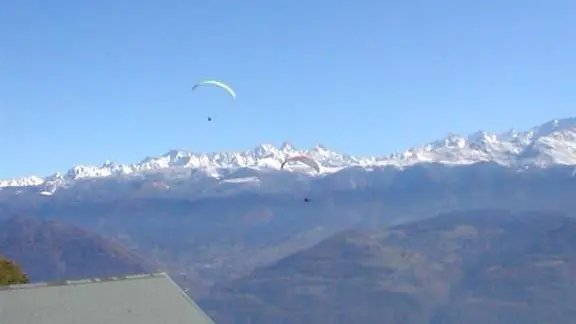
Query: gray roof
(139, 299)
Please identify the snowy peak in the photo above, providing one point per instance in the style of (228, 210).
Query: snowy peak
(555, 126)
(22, 182)
(263, 156)
(550, 143)
(287, 147)
(553, 142)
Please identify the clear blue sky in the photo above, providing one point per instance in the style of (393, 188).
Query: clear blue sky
(86, 81)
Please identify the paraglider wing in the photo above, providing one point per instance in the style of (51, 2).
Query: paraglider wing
(218, 84)
(302, 159)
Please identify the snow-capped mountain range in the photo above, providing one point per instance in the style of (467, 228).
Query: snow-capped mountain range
(551, 143)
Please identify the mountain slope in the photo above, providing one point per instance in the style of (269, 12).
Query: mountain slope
(49, 251)
(489, 266)
(216, 239)
(548, 144)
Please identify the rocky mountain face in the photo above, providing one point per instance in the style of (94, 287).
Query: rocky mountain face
(487, 266)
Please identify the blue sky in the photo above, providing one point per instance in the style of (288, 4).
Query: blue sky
(86, 81)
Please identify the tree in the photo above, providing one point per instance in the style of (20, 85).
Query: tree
(11, 273)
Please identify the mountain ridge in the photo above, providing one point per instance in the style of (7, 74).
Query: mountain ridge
(476, 266)
(550, 143)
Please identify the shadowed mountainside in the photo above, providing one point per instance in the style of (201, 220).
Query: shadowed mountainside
(489, 266)
(49, 251)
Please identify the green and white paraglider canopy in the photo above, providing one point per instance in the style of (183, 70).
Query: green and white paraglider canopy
(220, 84)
